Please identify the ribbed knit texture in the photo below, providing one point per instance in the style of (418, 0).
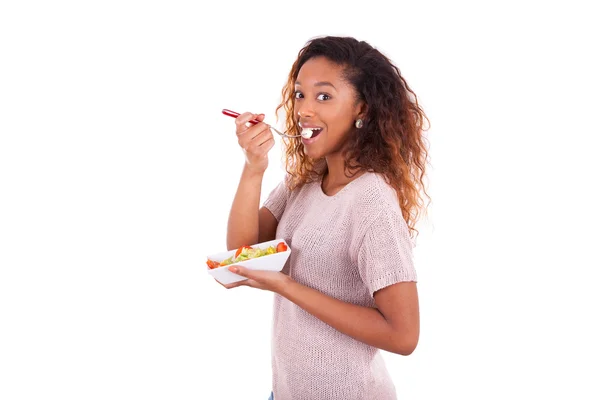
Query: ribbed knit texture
(346, 246)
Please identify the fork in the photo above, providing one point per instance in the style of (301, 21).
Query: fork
(254, 121)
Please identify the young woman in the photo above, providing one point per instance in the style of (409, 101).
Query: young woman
(347, 206)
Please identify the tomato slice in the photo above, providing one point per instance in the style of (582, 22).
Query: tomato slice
(212, 264)
(281, 247)
(237, 253)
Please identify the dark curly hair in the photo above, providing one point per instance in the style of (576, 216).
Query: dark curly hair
(391, 142)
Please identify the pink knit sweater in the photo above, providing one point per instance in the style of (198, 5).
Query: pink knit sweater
(346, 246)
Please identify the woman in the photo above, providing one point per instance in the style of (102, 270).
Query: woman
(348, 208)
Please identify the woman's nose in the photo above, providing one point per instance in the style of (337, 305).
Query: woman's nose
(305, 110)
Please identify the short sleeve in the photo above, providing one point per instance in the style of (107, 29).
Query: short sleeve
(277, 200)
(385, 255)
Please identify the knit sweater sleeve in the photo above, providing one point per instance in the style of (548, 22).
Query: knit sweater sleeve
(277, 199)
(385, 254)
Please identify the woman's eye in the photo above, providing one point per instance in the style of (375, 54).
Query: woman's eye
(323, 96)
(298, 95)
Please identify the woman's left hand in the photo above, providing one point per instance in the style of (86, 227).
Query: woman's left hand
(273, 281)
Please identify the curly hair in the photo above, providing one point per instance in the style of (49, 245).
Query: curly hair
(391, 141)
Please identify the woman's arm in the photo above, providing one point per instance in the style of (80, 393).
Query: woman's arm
(242, 226)
(393, 327)
(247, 224)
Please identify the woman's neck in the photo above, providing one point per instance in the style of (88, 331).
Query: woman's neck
(335, 177)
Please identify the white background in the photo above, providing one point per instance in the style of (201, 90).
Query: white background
(117, 172)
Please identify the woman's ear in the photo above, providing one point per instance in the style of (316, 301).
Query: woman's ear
(362, 108)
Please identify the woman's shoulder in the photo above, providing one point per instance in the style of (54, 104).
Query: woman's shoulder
(375, 205)
(372, 191)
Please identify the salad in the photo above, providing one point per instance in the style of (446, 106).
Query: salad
(246, 253)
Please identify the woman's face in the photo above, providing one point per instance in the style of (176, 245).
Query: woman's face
(324, 100)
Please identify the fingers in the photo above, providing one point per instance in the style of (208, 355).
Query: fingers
(255, 138)
(241, 271)
(263, 137)
(252, 132)
(268, 144)
(253, 284)
(243, 124)
(234, 285)
(245, 282)
(252, 137)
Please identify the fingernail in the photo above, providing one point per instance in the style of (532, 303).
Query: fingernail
(235, 270)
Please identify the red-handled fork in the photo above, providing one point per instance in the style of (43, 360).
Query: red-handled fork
(254, 121)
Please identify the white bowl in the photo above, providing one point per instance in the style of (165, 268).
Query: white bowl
(272, 262)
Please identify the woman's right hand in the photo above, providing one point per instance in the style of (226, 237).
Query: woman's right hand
(256, 141)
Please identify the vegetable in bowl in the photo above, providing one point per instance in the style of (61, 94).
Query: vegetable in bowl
(246, 253)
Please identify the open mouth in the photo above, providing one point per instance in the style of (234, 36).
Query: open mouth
(309, 133)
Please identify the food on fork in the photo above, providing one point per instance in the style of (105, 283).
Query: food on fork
(307, 133)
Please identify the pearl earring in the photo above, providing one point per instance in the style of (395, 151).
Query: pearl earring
(358, 123)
